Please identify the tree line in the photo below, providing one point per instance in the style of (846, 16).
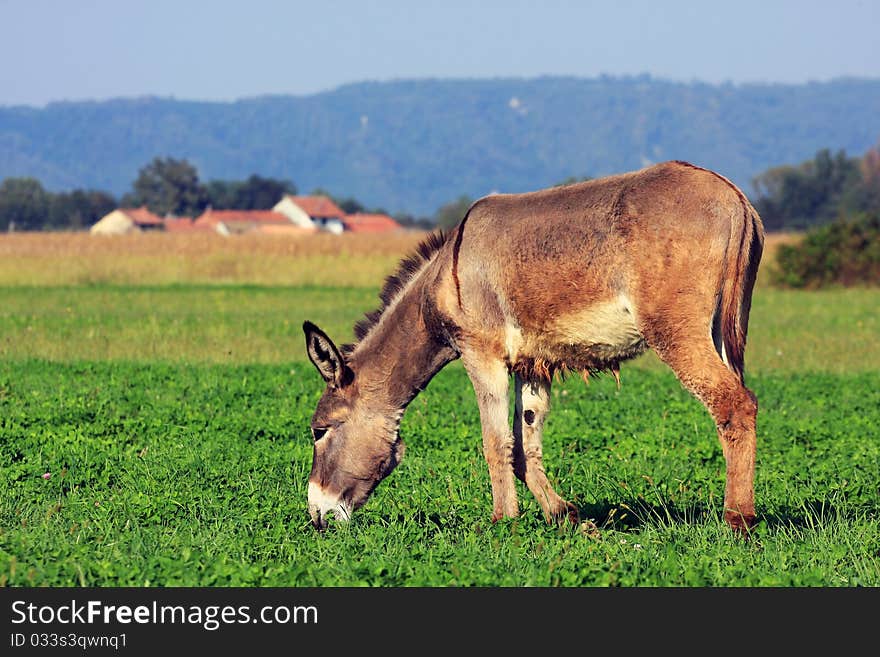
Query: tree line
(788, 197)
(820, 190)
(167, 186)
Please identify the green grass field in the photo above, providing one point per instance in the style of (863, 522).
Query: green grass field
(173, 422)
(790, 330)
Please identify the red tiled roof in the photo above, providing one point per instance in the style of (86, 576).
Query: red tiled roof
(369, 223)
(214, 217)
(142, 216)
(318, 206)
(176, 224)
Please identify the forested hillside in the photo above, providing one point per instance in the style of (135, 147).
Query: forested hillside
(411, 146)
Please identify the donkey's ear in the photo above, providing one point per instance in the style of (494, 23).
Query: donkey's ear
(325, 356)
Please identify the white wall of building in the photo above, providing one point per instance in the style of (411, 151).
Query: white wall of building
(114, 223)
(293, 212)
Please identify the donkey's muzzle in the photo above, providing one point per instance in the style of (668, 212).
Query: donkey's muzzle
(319, 520)
(323, 504)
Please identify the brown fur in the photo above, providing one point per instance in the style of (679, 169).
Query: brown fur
(576, 278)
(737, 292)
(396, 282)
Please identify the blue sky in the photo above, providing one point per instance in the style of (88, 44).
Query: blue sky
(223, 50)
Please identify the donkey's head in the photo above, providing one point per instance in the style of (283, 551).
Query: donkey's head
(355, 432)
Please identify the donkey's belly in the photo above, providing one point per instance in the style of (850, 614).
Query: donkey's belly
(596, 337)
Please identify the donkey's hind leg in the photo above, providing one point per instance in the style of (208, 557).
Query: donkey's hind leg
(532, 405)
(734, 408)
(491, 384)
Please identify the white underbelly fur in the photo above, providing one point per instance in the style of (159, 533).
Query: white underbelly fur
(608, 326)
(610, 323)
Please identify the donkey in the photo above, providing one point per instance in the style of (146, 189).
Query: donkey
(576, 278)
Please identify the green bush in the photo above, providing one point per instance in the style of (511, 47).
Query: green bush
(845, 252)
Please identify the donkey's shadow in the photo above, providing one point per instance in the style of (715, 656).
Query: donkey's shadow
(629, 515)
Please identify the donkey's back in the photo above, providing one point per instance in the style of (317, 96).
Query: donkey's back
(586, 275)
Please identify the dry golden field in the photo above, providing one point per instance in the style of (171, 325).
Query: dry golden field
(166, 258)
(360, 260)
(773, 241)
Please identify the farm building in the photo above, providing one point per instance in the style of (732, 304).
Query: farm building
(236, 222)
(127, 220)
(363, 222)
(291, 215)
(178, 224)
(316, 211)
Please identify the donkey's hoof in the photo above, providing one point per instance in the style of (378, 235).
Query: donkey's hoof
(566, 511)
(501, 515)
(740, 523)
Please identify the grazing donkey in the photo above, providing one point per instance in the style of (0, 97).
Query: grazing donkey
(572, 278)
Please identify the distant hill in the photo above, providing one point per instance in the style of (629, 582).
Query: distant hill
(411, 146)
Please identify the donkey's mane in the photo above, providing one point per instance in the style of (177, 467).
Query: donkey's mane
(406, 269)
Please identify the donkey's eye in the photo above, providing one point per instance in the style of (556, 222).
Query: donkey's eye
(318, 432)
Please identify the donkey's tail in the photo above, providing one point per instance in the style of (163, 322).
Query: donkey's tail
(741, 269)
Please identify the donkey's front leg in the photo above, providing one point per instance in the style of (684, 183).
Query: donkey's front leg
(532, 406)
(491, 381)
